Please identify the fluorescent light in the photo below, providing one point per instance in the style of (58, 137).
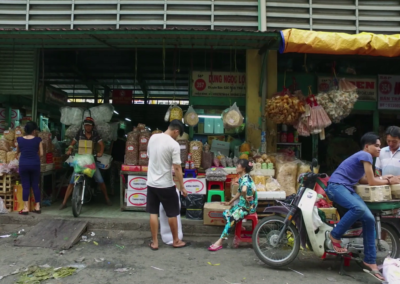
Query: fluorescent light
(209, 116)
(116, 112)
(127, 119)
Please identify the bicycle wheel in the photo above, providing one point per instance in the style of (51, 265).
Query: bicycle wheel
(267, 247)
(77, 199)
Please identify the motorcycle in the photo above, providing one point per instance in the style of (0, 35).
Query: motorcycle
(277, 239)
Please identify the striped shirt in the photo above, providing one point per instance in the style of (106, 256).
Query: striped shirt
(388, 163)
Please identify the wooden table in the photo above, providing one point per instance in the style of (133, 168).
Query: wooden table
(123, 188)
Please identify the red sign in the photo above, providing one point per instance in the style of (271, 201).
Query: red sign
(389, 92)
(122, 97)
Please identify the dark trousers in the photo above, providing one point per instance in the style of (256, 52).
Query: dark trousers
(30, 177)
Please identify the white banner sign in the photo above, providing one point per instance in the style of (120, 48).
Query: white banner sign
(218, 84)
(389, 92)
(366, 87)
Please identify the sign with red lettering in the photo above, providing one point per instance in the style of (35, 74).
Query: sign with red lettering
(218, 84)
(366, 87)
(388, 92)
(122, 97)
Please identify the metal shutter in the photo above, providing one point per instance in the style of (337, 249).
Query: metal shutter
(18, 72)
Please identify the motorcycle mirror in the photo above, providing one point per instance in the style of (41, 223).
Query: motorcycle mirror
(314, 164)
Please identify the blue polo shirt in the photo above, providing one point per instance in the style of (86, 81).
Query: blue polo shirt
(388, 163)
(351, 170)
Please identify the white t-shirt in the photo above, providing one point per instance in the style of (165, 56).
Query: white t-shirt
(163, 152)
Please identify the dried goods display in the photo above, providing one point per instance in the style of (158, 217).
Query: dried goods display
(11, 156)
(191, 118)
(216, 174)
(272, 184)
(157, 131)
(196, 148)
(286, 175)
(19, 132)
(5, 145)
(133, 135)
(232, 117)
(144, 140)
(339, 103)
(176, 113)
(284, 108)
(9, 134)
(143, 158)
(131, 153)
(184, 145)
(3, 156)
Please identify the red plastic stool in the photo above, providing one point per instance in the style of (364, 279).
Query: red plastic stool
(220, 184)
(243, 235)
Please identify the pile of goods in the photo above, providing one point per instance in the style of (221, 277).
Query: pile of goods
(216, 174)
(84, 164)
(196, 149)
(136, 146)
(285, 108)
(102, 114)
(338, 103)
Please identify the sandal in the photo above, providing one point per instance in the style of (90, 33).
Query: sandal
(185, 245)
(337, 246)
(214, 248)
(151, 247)
(22, 212)
(37, 211)
(373, 273)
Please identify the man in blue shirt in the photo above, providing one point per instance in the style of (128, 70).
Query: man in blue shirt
(340, 190)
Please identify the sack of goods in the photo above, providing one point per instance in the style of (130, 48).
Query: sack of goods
(174, 112)
(84, 164)
(232, 117)
(191, 118)
(216, 174)
(196, 149)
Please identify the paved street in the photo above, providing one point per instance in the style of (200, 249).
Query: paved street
(127, 249)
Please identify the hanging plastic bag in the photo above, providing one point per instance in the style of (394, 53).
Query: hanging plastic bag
(176, 113)
(72, 131)
(167, 114)
(232, 117)
(100, 114)
(191, 118)
(165, 230)
(104, 130)
(391, 270)
(3, 209)
(317, 222)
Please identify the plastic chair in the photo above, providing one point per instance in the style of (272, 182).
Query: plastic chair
(190, 173)
(243, 235)
(212, 193)
(220, 184)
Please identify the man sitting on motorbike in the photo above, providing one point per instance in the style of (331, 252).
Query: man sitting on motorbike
(340, 190)
(88, 133)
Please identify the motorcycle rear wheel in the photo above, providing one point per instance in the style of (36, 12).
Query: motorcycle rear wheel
(264, 237)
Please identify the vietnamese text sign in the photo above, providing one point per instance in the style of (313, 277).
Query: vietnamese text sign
(389, 92)
(366, 87)
(122, 97)
(218, 84)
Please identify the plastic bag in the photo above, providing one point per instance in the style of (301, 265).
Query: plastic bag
(3, 157)
(184, 145)
(229, 162)
(3, 209)
(317, 222)
(104, 130)
(11, 156)
(114, 131)
(143, 158)
(167, 114)
(71, 115)
(194, 204)
(5, 145)
(19, 132)
(165, 230)
(284, 108)
(9, 134)
(391, 270)
(196, 148)
(144, 138)
(84, 164)
(216, 174)
(207, 160)
(286, 175)
(133, 136)
(72, 131)
(101, 114)
(131, 153)
(232, 117)
(191, 118)
(176, 113)
(272, 184)
(216, 162)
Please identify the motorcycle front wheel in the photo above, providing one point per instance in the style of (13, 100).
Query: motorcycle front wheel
(392, 238)
(77, 199)
(267, 247)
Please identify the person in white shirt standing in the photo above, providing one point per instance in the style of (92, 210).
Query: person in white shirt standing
(164, 154)
(388, 162)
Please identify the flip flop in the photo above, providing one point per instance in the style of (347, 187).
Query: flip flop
(373, 273)
(152, 247)
(37, 211)
(186, 245)
(23, 212)
(336, 246)
(214, 248)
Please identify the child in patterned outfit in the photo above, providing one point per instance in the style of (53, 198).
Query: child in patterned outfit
(248, 202)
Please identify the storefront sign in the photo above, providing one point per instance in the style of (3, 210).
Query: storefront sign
(389, 92)
(218, 84)
(366, 88)
(122, 97)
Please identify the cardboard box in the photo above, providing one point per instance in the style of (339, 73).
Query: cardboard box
(129, 168)
(220, 146)
(374, 193)
(136, 199)
(213, 214)
(144, 169)
(218, 126)
(208, 125)
(395, 189)
(137, 183)
(85, 147)
(193, 185)
(18, 201)
(331, 214)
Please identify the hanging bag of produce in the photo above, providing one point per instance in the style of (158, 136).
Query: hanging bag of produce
(168, 114)
(284, 108)
(232, 117)
(176, 113)
(196, 148)
(191, 118)
(184, 145)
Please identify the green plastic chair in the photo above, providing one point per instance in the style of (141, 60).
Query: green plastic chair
(212, 192)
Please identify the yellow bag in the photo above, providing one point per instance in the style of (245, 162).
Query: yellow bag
(176, 113)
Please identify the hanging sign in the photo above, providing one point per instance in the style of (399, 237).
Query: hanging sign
(389, 92)
(218, 84)
(366, 87)
(122, 97)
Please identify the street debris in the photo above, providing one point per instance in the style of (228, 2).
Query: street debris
(5, 236)
(331, 279)
(216, 264)
(296, 271)
(80, 260)
(96, 243)
(120, 247)
(62, 252)
(99, 259)
(92, 234)
(123, 269)
(156, 268)
(44, 266)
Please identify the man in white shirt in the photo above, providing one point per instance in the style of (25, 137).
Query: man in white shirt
(388, 162)
(164, 153)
